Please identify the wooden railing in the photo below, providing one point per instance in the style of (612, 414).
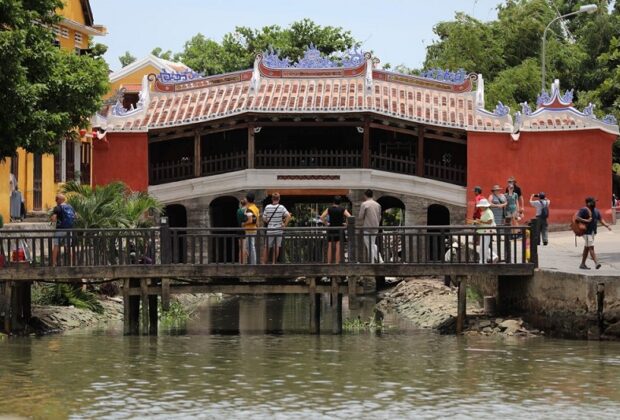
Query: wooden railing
(393, 163)
(308, 159)
(440, 171)
(171, 171)
(225, 162)
(442, 245)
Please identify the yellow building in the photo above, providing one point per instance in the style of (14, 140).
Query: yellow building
(38, 176)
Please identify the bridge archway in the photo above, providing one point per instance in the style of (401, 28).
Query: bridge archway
(177, 218)
(393, 211)
(223, 214)
(437, 215)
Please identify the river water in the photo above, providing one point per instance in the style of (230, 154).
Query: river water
(251, 357)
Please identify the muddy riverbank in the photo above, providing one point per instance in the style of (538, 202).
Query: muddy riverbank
(429, 304)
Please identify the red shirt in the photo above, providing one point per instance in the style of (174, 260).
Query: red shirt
(477, 211)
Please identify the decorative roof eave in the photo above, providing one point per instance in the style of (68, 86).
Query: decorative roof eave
(199, 82)
(563, 119)
(90, 30)
(158, 63)
(424, 82)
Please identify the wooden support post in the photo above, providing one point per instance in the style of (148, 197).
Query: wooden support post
(419, 162)
(315, 307)
(352, 283)
(336, 304)
(461, 304)
(165, 294)
(153, 319)
(251, 146)
(144, 306)
(366, 146)
(126, 308)
(197, 155)
(8, 316)
(134, 309)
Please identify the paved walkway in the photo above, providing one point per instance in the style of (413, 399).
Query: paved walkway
(562, 255)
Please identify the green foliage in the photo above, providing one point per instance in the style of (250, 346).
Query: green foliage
(126, 59)
(173, 317)
(66, 295)
(111, 206)
(165, 55)
(45, 91)
(357, 325)
(238, 49)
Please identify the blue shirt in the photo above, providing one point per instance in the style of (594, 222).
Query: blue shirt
(584, 213)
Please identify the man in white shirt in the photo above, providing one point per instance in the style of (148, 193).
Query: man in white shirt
(276, 217)
(370, 219)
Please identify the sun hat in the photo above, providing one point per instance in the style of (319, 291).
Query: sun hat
(496, 187)
(483, 203)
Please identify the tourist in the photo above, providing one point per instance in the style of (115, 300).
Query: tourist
(498, 202)
(241, 220)
(511, 213)
(370, 219)
(477, 198)
(591, 216)
(63, 217)
(250, 226)
(487, 219)
(517, 188)
(541, 203)
(275, 217)
(334, 216)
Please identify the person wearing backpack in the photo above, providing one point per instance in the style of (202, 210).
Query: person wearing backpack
(591, 216)
(541, 203)
(63, 217)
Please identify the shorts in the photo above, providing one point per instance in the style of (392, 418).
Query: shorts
(60, 238)
(271, 238)
(589, 239)
(333, 236)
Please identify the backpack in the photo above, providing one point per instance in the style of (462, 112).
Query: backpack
(68, 216)
(579, 228)
(544, 211)
(241, 216)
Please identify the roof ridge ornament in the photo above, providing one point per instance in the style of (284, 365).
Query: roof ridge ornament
(314, 59)
(555, 99)
(501, 109)
(441, 75)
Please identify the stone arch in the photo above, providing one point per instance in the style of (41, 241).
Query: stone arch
(436, 215)
(388, 205)
(223, 214)
(177, 218)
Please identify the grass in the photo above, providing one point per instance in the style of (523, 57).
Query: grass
(176, 315)
(357, 325)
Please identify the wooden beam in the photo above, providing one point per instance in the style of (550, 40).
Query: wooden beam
(242, 289)
(66, 274)
(197, 155)
(461, 313)
(144, 306)
(126, 308)
(251, 146)
(366, 145)
(393, 129)
(445, 138)
(419, 165)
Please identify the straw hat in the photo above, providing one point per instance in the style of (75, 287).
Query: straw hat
(496, 187)
(483, 203)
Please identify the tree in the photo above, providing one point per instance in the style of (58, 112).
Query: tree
(237, 49)
(165, 55)
(126, 59)
(46, 92)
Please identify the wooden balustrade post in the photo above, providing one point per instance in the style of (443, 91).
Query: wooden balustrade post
(352, 241)
(315, 307)
(165, 243)
(461, 313)
(153, 318)
(336, 303)
(144, 306)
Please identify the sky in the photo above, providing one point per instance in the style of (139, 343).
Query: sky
(397, 31)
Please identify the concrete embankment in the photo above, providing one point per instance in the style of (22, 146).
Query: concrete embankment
(562, 304)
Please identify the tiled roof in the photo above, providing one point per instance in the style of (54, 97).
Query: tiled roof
(334, 90)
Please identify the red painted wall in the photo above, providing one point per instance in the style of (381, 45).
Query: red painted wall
(124, 157)
(567, 165)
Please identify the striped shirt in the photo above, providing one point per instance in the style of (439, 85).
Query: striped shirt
(274, 216)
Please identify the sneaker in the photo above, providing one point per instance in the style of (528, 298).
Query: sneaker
(584, 267)
(598, 265)
(545, 243)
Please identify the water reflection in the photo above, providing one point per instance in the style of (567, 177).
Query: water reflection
(214, 372)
